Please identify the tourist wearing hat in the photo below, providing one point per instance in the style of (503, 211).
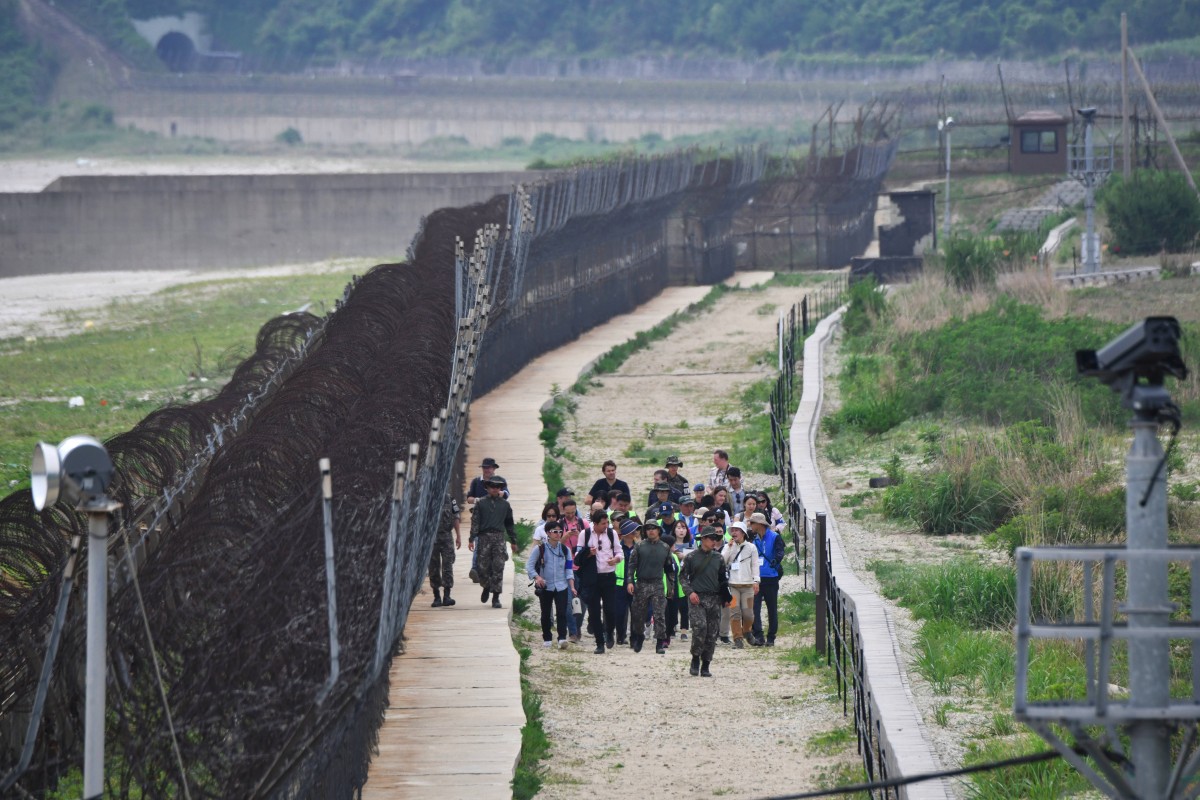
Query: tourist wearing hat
(478, 488)
(648, 563)
(679, 484)
(494, 521)
(703, 577)
(770, 546)
(604, 486)
(698, 492)
(741, 560)
(549, 567)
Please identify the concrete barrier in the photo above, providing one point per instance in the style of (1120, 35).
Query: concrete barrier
(96, 223)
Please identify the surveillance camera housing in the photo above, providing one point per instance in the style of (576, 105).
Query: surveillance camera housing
(1143, 355)
(78, 471)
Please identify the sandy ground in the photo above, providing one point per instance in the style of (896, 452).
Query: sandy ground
(34, 174)
(638, 723)
(57, 305)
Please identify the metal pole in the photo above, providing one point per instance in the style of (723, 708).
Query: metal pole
(1091, 243)
(97, 651)
(1162, 121)
(822, 587)
(946, 205)
(1149, 658)
(1125, 154)
(330, 580)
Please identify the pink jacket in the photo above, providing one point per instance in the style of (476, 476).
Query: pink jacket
(604, 550)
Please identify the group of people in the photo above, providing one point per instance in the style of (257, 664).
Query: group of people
(703, 558)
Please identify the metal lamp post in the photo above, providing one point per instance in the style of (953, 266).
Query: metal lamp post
(945, 126)
(79, 471)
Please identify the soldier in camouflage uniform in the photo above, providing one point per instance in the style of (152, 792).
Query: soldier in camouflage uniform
(703, 577)
(648, 561)
(493, 519)
(441, 560)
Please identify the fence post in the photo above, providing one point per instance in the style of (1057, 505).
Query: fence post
(330, 580)
(804, 315)
(822, 582)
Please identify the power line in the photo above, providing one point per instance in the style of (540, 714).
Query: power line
(1033, 758)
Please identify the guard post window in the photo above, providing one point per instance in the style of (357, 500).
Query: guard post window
(1039, 141)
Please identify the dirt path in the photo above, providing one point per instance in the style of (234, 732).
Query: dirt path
(639, 722)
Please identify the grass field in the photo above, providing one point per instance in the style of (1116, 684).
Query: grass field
(174, 346)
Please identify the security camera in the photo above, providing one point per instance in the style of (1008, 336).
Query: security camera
(78, 471)
(1140, 357)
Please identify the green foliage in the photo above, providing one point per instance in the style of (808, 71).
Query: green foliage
(971, 262)
(866, 304)
(823, 35)
(289, 136)
(28, 72)
(109, 20)
(997, 366)
(1041, 780)
(1150, 212)
(535, 745)
(1083, 513)
(944, 502)
(962, 591)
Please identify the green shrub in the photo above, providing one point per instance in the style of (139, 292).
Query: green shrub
(1040, 780)
(290, 136)
(941, 502)
(866, 305)
(962, 591)
(1151, 212)
(971, 262)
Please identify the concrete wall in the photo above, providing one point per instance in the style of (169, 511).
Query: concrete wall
(87, 224)
(191, 25)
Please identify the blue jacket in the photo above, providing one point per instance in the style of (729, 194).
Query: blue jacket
(770, 554)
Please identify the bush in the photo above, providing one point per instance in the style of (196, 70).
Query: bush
(942, 502)
(971, 262)
(962, 591)
(1151, 212)
(290, 136)
(866, 306)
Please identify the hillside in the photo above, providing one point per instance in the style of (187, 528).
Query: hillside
(291, 33)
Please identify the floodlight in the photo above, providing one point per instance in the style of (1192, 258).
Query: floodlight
(77, 471)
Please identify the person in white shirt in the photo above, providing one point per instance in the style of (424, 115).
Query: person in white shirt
(741, 558)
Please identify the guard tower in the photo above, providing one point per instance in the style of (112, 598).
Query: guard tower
(1038, 144)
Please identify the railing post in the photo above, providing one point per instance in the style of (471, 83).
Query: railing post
(822, 583)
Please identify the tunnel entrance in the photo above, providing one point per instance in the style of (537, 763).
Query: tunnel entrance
(177, 51)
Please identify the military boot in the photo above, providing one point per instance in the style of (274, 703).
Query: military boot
(447, 600)
(437, 599)
(704, 673)
(695, 670)
(659, 647)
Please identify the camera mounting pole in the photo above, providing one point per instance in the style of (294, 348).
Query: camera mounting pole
(1134, 365)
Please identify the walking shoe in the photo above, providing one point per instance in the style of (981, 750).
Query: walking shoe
(474, 575)
(683, 637)
(447, 600)
(637, 645)
(484, 595)
(704, 673)
(770, 642)
(562, 644)
(695, 669)
(574, 637)
(621, 640)
(609, 641)
(660, 648)
(437, 599)
(725, 640)
(758, 641)
(496, 601)
(547, 643)
(738, 644)
(599, 649)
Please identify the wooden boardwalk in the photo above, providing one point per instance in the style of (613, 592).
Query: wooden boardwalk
(453, 726)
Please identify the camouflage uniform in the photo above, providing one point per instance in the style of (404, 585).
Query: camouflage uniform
(493, 552)
(649, 592)
(705, 620)
(441, 560)
(679, 486)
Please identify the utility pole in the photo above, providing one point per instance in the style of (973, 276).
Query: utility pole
(1091, 172)
(945, 126)
(1125, 154)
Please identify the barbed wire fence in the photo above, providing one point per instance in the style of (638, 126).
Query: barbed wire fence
(225, 679)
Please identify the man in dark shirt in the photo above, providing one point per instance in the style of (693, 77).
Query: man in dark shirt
(647, 563)
(661, 506)
(478, 488)
(602, 488)
(679, 484)
(493, 520)
(703, 577)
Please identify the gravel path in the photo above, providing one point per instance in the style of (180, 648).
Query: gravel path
(638, 722)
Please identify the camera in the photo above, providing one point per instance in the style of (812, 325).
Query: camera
(1137, 360)
(77, 471)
